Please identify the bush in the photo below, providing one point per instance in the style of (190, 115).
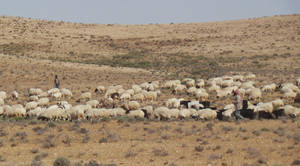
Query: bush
(61, 161)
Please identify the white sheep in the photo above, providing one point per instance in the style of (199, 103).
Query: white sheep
(3, 95)
(31, 105)
(254, 94)
(191, 90)
(52, 91)
(125, 96)
(148, 110)
(179, 88)
(277, 103)
(162, 113)
(35, 91)
(136, 114)
(250, 76)
(247, 85)
(1, 102)
(85, 96)
(291, 110)
(173, 113)
(35, 112)
(138, 97)
(214, 88)
(66, 93)
(238, 78)
(298, 82)
(56, 96)
(266, 107)
(226, 83)
(151, 95)
(269, 88)
(136, 88)
(108, 92)
(100, 89)
(190, 83)
(130, 91)
(118, 111)
(34, 98)
(14, 95)
(173, 103)
(15, 110)
(43, 101)
(77, 112)
(207, 114)
(43, 94)
(132, 105)
(195, 104)
(184, 113)
(1, 110)
(171, 83)
(93, 103)
(289, 96)
(200, 83)
(201, 95)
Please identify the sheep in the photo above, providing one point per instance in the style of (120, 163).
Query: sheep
(131, 105)
(238, 78)
(93, 103)
(155, 84)
(195, 104)
(184, 113)
(77, 112)
(3, 95)
(130, 91)
(298, 82)
(1, 110)
(202, 95)
(277, 103)
(200, 83)
(162, 113)
(35, 91)
(289, 96)
(33, 98)
(14, 111)
(139, 97)
(223, 93)
(66, 93)
(56, 96)
(43, 101)
(152, 95)
(125, 96)
(290, 86)
(136, 88)
(85, 96)
(190, 83)
(291, 111)
(147, 86)
(226, 83)
(269, 88)
(179, 88)
(43, 94)
(214, 88)
(207, 114)
(109, 92)
(191, 90)
(173, 103)
(31, 105)
(119, 111)
(64, 105)
(35, 112)
(51, 113)
(247, 85)
(52, 91)
(228, 111)
(250, 76)
(136, 114)
(173, 113)
(254, 94)
(171, 84)
(14, 95)
(148, 110)
(1, 102)
(100, 89)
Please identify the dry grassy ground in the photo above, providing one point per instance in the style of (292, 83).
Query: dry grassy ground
(124, 142)
(83, 56)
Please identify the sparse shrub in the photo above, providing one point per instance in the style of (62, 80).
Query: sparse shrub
(245, 137)
(217, 147)
(39, 130)
(3, 133)
(160, 152)
(83, 131)
(214, 157)
(103, 140)
(229, 150)
(296, 162)
(262, 161)
(256, 132)
(227, 128)
(86, 138)
(61, 161)
(22, 135)
(264, 129)
(34, 150)
(1, 158)
(92, 163)
(280, 131)
(67, 140)
(48, 142)
(253, 153)
(1, 143)
(210, 126)
(50, 124)
(242, 130)
(179, 130)
(130, 153)
(199, 148)
(165, 137)
(297, 137)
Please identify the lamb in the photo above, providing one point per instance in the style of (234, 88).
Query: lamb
(31, 105)
(131, 105)
(136, 114)
(43, 102)
(66, 93)
(85, 96)
(14, 95)
(228, 111)
(93, 103)
(3, 95)
(35, 91)
(269, 88)
(100, 89)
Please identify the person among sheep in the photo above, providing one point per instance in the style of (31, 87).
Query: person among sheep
(238, 103)
(56, 82)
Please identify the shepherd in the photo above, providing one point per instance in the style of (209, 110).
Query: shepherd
(56, 82)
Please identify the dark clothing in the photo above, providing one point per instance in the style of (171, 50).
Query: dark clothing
(56, 83)
(238, 106)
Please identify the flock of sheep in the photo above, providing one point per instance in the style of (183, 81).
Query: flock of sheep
(137, 101)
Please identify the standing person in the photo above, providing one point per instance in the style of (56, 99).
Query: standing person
(238, 103)
(56, 82)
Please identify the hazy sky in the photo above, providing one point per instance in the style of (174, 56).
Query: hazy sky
(146, 11)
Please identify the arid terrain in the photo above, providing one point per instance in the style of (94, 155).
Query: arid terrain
(87, 55)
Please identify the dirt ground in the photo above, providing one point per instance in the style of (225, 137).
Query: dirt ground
(85, 55)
